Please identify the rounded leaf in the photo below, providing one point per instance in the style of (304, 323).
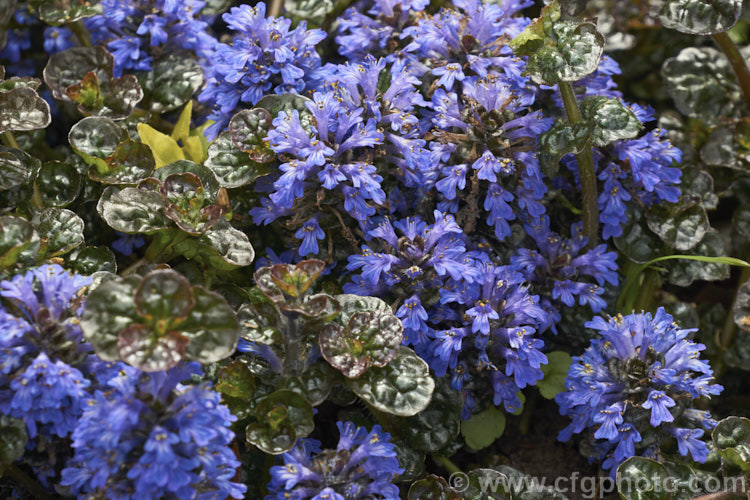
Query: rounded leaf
(403, 387)
(171, 82)
(60, 231)
(58, 184)
(232, 167)
(248, 130)
(109, 309)
(697, 17)
(133, 210)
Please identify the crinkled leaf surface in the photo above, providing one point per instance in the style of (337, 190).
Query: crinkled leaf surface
(612, 119)
(172, 81)
(59, 12)
(637, 242)
(187, 205)
(741, 308)
(222, 248)
(133, 210)
(684, 272)
(60, 231)
(16, 168)
(233, 167)
(369, 339)
(403, 387)
(731, 438)
(58, 184)
(437, 425)
(561, 139)
(23, 109)
(247, 129)
(697, 17)
(236, 380)
(158, 320)
(432, 487)
(282, 416)
(92, 259)
(314, 384)
(559, 50)
(19, 242)
(702, 84)
(680, 228)
(13, 439)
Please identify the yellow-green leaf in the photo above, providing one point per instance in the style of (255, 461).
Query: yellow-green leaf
(165, 149)
(182, 127)
(193, 149)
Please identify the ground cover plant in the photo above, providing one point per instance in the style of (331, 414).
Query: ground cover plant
(374, 249)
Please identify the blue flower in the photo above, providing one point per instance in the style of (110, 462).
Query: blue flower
(363, 465)
(625, 388)
(153, 437)
(309, 233)
(265, 55)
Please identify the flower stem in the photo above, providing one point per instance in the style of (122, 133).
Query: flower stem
(736, 60)
(586, 170)
(19, 477)
(9, 140)
(275, 8)
(446, 463)
(81, 33)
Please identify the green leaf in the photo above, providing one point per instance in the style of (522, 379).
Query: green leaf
(19, 242)
(720, 150)
(642, 479)
(613, 120)
(555, 373)
(282, 416)
(233, 167)
(708, 263)
(59, 12)
(285, 284)
(58, 183)
(483, 428)
(314, 384)
(164, 148)
(172, 81)
(697, 17)
(432, 487)
(23, 109)
(131, 162)
(95, 139)
(16, 168)
(133, 210)
(369, 339)
(437, 425)
(187, 205)
(248, 130)
(741, 308)
(559, 51)
(703, 85)
(222, 248)
(403, 387)
(637, 242)
(90, 260)
(561, 139)
(236, 380)
(679, 227)
(60, 231)
(158, 320)
(275, 103)
(84, 75)
(13, 439)
(483, 484)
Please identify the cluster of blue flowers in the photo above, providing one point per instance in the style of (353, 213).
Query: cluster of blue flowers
(363, 465)
(42, 354)
(634, 385)
(145, 435)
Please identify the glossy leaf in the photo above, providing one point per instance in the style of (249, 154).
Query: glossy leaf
(133, 210)
(131, 162)
(555, 373)
(697, 17)
(702, 84)
(285, 284)
(741, 308)
(275, 103)
(437, 425)
(314, 384)
(13, 439)
(60, 231)
(282, 416)
(432, 487)
(233, 167)
(684, 272)
(559, 51)
(186, 203)
(23, 109)
(612, 119)
(155, 321)
(236, 380)
(563, 138)
(95, 139)
(221, 248)
(59, 12)
(19, 242)
(369, 339)
(16, 168)
(58, 184)
(403, 387)
(172, 81)
(731, 438)
(89, 260)
(680, 228)
(247, 129)
(637, 242)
